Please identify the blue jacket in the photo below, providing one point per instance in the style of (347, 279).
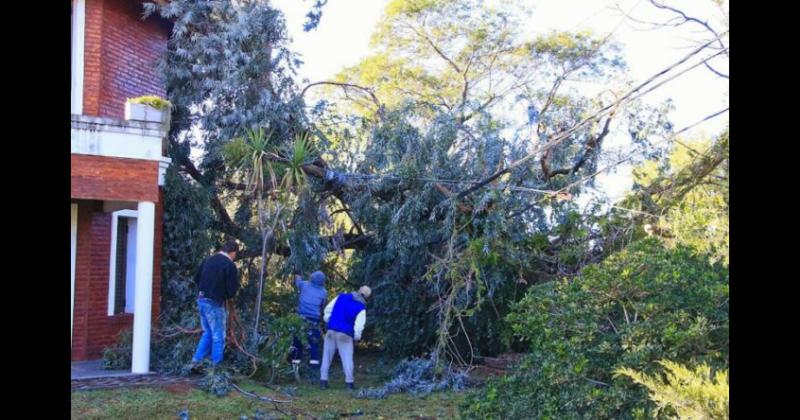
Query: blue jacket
(312, 295)
(344, 313)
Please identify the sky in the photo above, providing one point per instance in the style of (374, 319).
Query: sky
(342, 39)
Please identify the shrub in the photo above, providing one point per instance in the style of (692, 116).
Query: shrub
(118, 355)
(156, 102)
(276, 345)
(685, 393)
(638, 306)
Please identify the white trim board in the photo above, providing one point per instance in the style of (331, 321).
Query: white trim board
(112, 258)
(73, 244)
(115, 141)
(78, 31)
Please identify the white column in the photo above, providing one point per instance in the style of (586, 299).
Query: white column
(144, 287)
(78, 28)
(73, 244)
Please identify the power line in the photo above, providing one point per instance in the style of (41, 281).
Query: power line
(607, 109)
(584, 179)
(640, 150)
(631, 155)
(450, 181)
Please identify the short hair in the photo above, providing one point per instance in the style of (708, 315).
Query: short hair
(230, 246)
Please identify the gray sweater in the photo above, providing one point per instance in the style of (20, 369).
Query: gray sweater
(312, 295)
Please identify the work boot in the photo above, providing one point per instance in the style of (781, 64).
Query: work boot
(323, 384)
(351, 386)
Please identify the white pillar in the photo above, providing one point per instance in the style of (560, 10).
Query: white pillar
(144, 287)
(78, 28)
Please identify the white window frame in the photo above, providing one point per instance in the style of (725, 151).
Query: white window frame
(112, 258)
(78, 35)
(73, 243)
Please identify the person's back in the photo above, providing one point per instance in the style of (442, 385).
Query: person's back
(344, 313)
(217, 278)
(346, 316)
(310, 302)
(312, 296)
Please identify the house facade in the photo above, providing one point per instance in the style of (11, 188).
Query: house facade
(117, 175)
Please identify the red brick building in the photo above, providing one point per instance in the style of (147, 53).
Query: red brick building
(116, 177)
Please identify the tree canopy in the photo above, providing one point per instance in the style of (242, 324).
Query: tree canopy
(444, 170)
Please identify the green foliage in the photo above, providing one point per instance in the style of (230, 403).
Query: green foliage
(275, 351)
(250, 155)
(118, 355)
(685, 393)
(189, 236)
(451, 76)
(228, 73)
(638, 306)
(695, 212)
(227, 70)
(152, 100)
(301, 151)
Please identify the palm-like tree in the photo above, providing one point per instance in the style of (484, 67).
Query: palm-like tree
(258, 159)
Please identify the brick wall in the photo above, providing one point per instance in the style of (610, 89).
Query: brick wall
(93, 34)
(120, 53)
(93, 330)
(111, 178)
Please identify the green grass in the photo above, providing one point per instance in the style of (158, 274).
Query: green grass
(309, 400)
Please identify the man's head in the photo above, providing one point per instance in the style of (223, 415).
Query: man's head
(230, 247)
(318, 278)
(364, 291)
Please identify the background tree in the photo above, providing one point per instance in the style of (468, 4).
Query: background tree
(452, 95)
(442, 170)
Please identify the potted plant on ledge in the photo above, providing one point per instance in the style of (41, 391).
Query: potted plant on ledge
(149, 108)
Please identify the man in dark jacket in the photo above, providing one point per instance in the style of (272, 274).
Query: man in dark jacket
(312, 299)
(218, 280)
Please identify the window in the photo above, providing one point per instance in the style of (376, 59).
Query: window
(73, 243)
(122, 262)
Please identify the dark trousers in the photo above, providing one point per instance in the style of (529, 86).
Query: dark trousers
(313, 335)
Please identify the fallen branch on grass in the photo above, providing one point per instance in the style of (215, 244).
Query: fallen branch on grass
(259, 397)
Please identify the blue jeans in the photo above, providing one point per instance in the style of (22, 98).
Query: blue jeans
(212, 318)
(313, 334)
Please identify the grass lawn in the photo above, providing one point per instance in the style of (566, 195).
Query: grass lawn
(309, 401)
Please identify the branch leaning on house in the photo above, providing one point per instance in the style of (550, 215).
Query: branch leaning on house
(228, 225)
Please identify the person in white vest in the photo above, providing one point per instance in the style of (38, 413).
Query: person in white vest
(345, 316)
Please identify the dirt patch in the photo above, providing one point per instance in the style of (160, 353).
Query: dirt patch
(488, 367)
(503, 361)
(484, 372)
(179, 387)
